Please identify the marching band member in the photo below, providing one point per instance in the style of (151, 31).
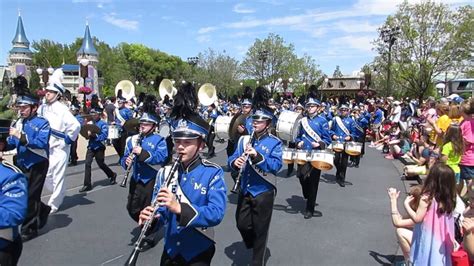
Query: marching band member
(196, 200)
(122, 114)
(342, 130)
(13, 205)
(246, 104)
(167, 107)
(73, 154)
(96, 148)
(144, 150)
(260, 158)
(376, 120)
(30, 137)
(360, 125)
(313, 135)
(64, 130)
(212, 115)
(299, 108)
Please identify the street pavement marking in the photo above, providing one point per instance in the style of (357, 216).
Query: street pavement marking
(105, 262)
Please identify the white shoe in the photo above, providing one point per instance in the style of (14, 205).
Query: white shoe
(379, 148)
(53, 210)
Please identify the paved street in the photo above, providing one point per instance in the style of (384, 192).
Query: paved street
(355, 229)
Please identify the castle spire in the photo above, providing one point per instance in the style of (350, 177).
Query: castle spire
(87, 47)
(20, 36)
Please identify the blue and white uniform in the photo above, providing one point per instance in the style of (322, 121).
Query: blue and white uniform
(201, 192)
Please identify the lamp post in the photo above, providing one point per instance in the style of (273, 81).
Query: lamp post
(262, 57)
(83, 63)
(440, 87)
(193, 61)
(44, 75)
(152, 82)
(389, 35)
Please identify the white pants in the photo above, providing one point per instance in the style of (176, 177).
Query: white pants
(58, 158)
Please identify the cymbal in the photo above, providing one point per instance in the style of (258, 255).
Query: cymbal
(89, 127)
(131, 125)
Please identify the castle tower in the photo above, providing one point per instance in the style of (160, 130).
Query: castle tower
(20, 57)
(88, 51)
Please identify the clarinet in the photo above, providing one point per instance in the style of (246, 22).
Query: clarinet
(131, 261)
(129, 167)
(236, 187)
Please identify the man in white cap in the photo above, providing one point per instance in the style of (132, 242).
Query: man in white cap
(64, 131)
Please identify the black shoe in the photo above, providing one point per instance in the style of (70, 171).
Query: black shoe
(113, 178)
(289, 172)
(29, 234)
(73, 163)
(85, 188)
(44, 214)
(341, 183)
(317, 214)
(308, 214)
(356, 166)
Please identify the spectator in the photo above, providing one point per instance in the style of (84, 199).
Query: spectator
(399, 147)
(433, 234)
(404, 225)
(451, 151)
(467, 129)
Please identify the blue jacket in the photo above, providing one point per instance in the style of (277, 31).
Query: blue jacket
(268, 160)
(320, 126)
(79, 119)
(154, 151)
(377, 116)
(248, 124)
(125, 113)
(360, 125)
(97, 142)
(203, 203)
(33, 145)
(336, 130)
(13, 199)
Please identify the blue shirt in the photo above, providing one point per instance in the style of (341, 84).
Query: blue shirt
(339, 132)
(13, 199)
(202, 183)
(268, 160)
(154, 152)
(360, 124)
(125, 113)
(97, 142)
(377, 117)
(33, 145)
(320, 126)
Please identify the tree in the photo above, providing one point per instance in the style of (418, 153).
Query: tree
(337, 72)
(433, 39)
(219, 69)
(270, 59)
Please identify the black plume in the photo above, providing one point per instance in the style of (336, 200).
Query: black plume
(119, 94)
(20, 85)
(302, 99)
(313, 92)
(185, 101)
(141, 97)
(247, 93)
(167, 101)
(260, 98)
(234, 99)
(149, 104)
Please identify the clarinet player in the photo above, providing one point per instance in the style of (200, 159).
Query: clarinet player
(195, 201)
(143, 151)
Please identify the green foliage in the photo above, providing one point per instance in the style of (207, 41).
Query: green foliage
(433, 39)
(337, 73)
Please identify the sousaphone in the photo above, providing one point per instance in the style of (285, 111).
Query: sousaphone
(166, 88)
(127, 87)
(207, 94)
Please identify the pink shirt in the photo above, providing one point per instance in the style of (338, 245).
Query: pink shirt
(467, 129)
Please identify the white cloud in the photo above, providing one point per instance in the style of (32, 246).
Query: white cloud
(242, 9)
(203, 39)
(100, 5)
(361, 43)
(120, 22)
(207, 30)
(355, 26)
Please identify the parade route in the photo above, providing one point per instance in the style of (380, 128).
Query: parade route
(355, 229)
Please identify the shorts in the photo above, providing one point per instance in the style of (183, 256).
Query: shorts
(467, 172)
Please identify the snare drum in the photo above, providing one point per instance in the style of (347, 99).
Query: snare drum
(114, 132)
(301, 156)
(322, 160)
(338, 146)
(288, 155)
(354, 148)
(221, 126)
(288, 125)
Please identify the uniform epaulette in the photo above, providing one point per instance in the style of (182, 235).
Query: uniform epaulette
(11, 166)
(209, 163)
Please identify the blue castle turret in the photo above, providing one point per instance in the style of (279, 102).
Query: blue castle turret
(88, 51)
(20, 57)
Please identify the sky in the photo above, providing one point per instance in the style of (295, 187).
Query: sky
(337, 32)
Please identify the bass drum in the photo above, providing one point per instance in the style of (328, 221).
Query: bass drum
(164, 129)
(288, 125)
(221, 127)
